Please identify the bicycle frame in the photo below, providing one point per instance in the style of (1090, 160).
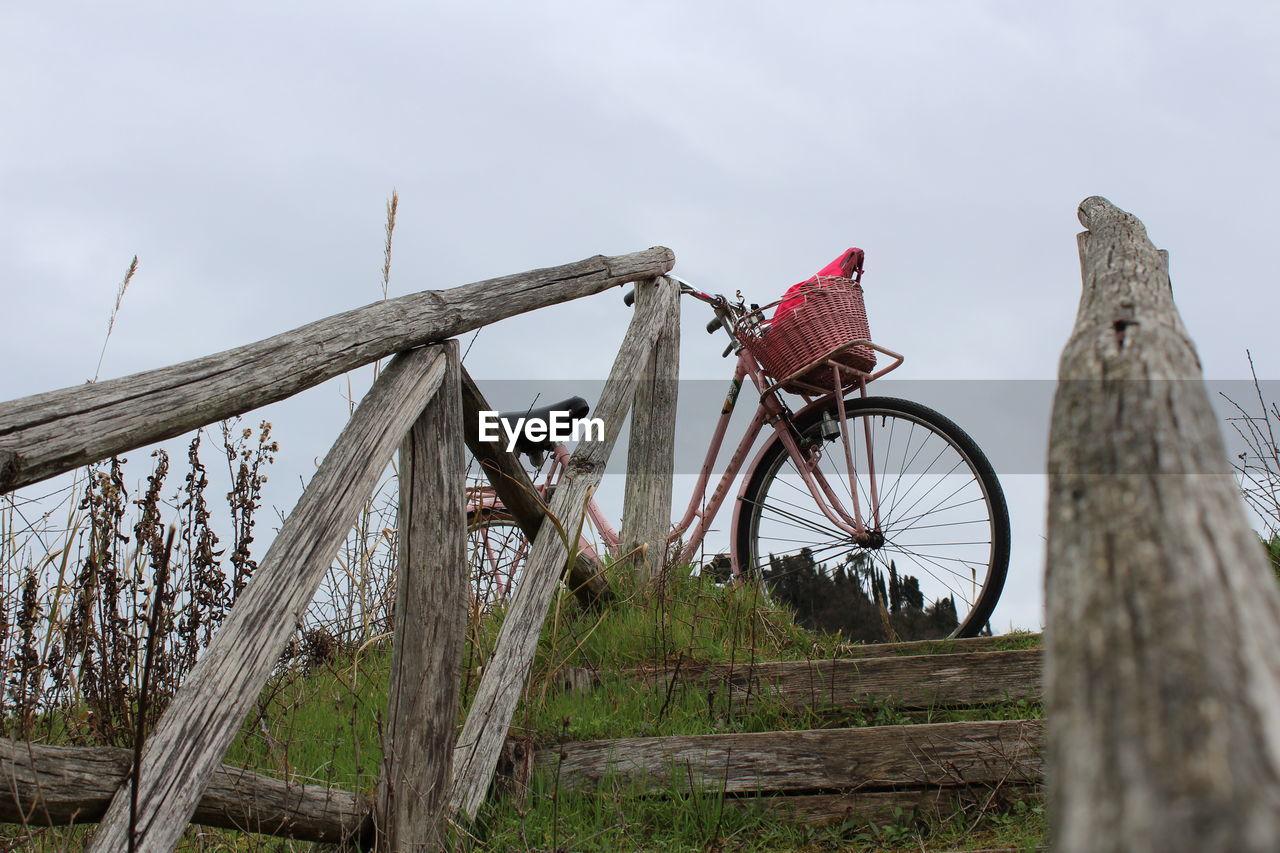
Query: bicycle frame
(771, 411)
(883, 494)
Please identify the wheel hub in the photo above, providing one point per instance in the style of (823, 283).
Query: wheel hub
(872, 539)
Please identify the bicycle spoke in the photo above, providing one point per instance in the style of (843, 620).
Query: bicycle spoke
(804, 542)
(814, 553)
(907, 552)
(897, 494)
(914, 503)
(981, 521)
(497, 550)
(809, 524)
(892, 497)
(907, 520)
(936, 509)
(968, 601)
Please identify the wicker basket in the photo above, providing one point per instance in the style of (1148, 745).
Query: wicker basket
(832, 315)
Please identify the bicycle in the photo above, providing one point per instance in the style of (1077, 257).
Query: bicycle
(878, 491)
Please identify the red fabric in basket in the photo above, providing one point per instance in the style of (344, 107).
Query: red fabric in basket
(845, 266)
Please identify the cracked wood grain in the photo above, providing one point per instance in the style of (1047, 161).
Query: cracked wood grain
(1162, 676)
(646, 511)
(430, 625)
(819, 760)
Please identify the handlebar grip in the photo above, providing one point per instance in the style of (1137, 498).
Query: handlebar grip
(714, 326)
(629, 298)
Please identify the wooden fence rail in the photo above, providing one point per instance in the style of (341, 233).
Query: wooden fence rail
(47, 434)
(1162, 676)
(430, 624)
(1163, 636)
(914, 682)
(878, 757)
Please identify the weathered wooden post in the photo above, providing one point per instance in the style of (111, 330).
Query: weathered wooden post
(646, 512)
(191, 737)
(504, 678)
(430, 625)
(584, 576)
(1163, 637)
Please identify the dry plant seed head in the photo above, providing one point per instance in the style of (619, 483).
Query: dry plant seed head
(392, 205)
(111, 323)
(245, 464)
(77, 609)
(28, 659)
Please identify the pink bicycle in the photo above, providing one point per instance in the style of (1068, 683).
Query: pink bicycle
(878, 491)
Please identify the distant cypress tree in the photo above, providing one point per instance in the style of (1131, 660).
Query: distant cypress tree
(849, 597)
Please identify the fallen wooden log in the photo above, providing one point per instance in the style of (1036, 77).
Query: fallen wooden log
(909, 682)
(817, 760)
(1002, 642)
(43, 785)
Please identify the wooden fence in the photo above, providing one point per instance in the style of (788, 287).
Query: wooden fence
(831, 775)
(416, 406)
(1162, 669)
(1163, 635)
(1162, 680)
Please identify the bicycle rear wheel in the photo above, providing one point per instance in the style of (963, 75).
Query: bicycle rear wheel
(496, 554)
(935, 563)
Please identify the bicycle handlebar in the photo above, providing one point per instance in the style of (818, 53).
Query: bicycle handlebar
(718, 302)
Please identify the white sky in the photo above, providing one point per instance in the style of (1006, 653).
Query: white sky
(244, 151)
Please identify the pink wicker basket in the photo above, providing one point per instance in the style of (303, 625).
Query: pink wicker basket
(831, 316)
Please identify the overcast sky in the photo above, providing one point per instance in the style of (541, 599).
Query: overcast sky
(245, 151)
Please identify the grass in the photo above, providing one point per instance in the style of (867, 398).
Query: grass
(692, 623)
(320, 721)
(322, 724)
(680, 819)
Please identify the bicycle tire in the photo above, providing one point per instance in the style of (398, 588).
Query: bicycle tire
(772, 506)
(497, 551)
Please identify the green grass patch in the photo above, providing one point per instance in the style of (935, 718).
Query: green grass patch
(322, 724)
(549, 818)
